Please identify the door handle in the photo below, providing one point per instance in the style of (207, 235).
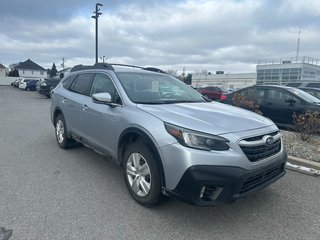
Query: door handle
(84, 107)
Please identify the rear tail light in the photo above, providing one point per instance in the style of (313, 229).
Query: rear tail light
(223, 97)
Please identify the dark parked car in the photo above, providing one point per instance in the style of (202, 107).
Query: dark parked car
(212, 92)
(47, 85)
(276, 102)
(32, 85)
(313, 91)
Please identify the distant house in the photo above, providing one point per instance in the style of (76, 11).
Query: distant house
(29, 69)
(3, 70)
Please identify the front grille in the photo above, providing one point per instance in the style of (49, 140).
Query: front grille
(256, 148)
(261, 178)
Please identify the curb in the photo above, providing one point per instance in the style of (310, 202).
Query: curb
(303, 166)
(304, 162)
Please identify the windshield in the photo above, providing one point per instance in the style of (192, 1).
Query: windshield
(304, 95)
(153, 88)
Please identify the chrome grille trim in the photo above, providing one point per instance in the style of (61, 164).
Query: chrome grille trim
(257, 148)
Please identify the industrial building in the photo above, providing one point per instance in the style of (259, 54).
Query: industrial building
(288, 70)
(226, 80)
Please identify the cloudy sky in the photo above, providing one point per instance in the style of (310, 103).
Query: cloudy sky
(211, 35)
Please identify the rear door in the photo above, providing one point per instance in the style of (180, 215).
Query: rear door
(75, 102)
(280, 106)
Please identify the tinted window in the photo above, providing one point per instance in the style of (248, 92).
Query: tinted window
(281, 97)
(293, 84)
(258, 95)
(67, 82)
(82, 84)
(305, 96)
(316, 85)
(103, 83)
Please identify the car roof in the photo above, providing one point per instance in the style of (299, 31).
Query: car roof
(309, 88)
(274, 86)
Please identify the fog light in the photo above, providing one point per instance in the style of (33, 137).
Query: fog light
(210, 193)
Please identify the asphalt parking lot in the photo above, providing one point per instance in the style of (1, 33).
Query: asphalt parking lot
(50, 193)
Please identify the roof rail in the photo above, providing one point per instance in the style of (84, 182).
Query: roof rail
(95, 66)
(108, 66)
(152, 69)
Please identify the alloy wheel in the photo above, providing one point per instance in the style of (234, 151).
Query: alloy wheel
(138, 174)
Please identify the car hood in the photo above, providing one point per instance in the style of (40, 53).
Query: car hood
(214, 118)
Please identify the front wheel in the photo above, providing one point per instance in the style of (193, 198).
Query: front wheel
(61, 132)
(141, 174)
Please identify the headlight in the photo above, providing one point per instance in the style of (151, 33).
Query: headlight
(43, 84)
(197, 140)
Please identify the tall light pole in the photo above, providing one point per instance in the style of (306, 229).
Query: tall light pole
(96, 16)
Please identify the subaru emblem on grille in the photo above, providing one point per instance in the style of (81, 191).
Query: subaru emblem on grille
(269, 140)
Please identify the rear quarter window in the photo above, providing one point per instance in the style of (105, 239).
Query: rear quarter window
(82, 84)
(68, 81)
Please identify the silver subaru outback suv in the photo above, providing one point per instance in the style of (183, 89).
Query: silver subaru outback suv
(169, 139)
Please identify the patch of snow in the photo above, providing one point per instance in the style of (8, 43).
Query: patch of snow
(302, 169)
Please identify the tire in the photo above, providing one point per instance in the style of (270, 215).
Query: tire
(50, 92)
(61, 133)
(141, 174)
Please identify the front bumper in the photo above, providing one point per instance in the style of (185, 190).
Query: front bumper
(210, 185)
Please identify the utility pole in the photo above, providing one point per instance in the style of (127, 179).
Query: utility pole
(96, 16)
(62, 64)
(298, 47)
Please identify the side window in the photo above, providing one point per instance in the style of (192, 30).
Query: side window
(281, 97)
(82, 84)
(244, 93)
(258, 95)
(316, 85)
(67, 82)
(103, 83)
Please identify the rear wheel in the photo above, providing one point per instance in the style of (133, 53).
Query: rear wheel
(61, 132)
(141, 174)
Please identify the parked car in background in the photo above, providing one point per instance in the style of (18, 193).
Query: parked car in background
(275, 102)
(23, 84)
(168, 138)
(313, 91)
(47, 85)
(16, 82)
(212, 92)
(32, 85)
(304, 84)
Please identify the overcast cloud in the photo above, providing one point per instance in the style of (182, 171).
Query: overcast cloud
(227, 35)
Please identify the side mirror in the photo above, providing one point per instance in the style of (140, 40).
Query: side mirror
(103, 97)
(61, 75)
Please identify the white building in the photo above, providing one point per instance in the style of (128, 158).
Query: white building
(3, 70)
(30, 69)
(288, 70)
(227, 80)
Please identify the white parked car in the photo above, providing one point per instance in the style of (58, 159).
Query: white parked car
(23, 83)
